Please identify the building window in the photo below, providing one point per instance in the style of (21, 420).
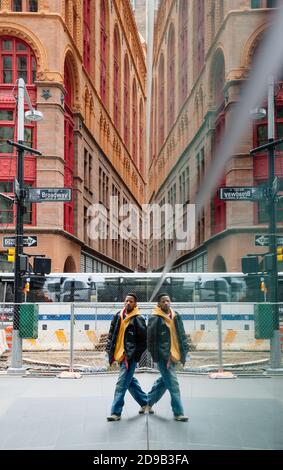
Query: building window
(200, 166)
(263, 4)
(68, 150)
(87, 35)
(103, 188)
(17, 5)
(103, 50)
(8, 208)
(117, 77)
(263, 208)
(183, 41)
(134, 122)
(200, 35)
(25, 5)
(126, 101)
(161, 104)
(141, 138)
(184, 188)
(17, 61)
(171, 78)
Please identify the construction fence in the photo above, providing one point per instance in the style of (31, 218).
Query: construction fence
(74, 336)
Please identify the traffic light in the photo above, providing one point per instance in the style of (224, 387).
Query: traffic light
(280, 254)
(11, 255)
(250, 264)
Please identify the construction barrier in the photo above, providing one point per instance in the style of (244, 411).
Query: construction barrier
(3, 342)
(9, 336)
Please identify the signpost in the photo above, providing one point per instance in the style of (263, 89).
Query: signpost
(9, 242)
(49, 194)
(242, 193)
(264, 240)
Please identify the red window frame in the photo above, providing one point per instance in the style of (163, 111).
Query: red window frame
(68, 151)
(12, 210)
(22, 61)
(134, 122)
(161, 101)
(117, 77)
(16, 48)
(103, 51)
(171, 77)
(126, 101)
(141, 138)
(86, 39)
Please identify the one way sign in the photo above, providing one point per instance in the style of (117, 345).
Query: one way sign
(263, 240)
(10, 242)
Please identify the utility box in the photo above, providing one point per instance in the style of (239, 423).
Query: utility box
(265, 320)
(28, 321)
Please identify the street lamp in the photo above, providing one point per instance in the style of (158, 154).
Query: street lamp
(259, 113)
(31, 115)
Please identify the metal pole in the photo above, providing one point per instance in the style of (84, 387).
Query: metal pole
(275, 351)
(72, 339)
(219, 324)
(16, 361)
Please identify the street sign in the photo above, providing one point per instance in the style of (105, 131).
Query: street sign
(49, 194)
(242, 193)
(263, 240)
(9, 242)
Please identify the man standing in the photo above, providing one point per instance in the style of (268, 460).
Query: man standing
(126, 343)
(167, 343)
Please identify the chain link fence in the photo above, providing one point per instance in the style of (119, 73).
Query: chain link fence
(74, 335)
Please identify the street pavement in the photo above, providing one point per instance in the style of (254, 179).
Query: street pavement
(53, 413)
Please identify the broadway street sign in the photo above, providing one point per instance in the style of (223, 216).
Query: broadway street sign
(242, 193)
(49, 195)
(263, 240)
(10, 242)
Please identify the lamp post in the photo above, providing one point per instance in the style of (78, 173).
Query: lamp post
(32, 115)
(275, 347)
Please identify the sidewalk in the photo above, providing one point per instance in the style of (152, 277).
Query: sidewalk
(52, 413)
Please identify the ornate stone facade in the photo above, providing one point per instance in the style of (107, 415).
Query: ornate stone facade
(66, 39)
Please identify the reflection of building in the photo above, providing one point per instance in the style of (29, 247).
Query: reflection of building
(202, 54)
(84, 67)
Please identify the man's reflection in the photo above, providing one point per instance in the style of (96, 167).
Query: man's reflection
(168, 345)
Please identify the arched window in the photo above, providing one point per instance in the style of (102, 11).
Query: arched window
(16, 60)
(87, 35)
(141, 138)
(183, 48)
(103, 49)
(218, 80)
(134, 122)
(171, 78)
(161, 103)
(199, 45)
(117, 77)
(126, 101)
(68, 148)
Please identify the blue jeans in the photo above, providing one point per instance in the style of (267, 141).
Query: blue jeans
(127, 381)
(167, 381)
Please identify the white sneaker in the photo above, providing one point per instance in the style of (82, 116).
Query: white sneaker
(113, 418)
(181, 418)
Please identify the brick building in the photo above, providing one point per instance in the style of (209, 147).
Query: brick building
(203, 50)
(84, 68)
